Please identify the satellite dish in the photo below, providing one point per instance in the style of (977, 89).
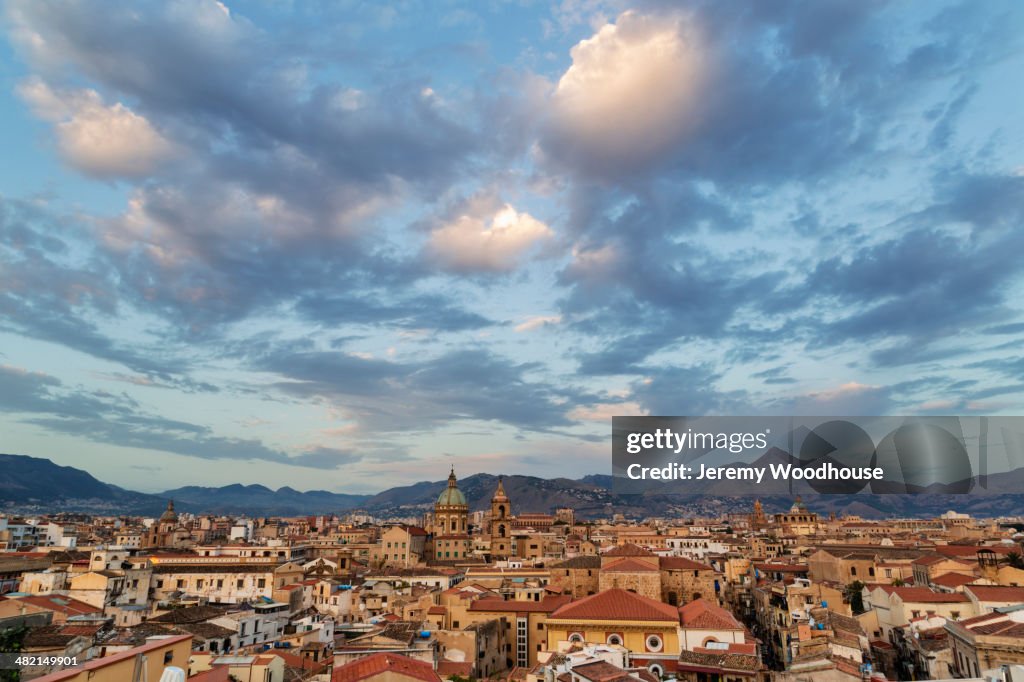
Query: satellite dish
(173, 674)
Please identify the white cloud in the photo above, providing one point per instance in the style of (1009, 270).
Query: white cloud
(107, 141)
(537, 322)
(497, 242)
(631, 93)
(603, 412)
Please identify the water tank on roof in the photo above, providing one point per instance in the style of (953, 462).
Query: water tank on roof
(824, 604)
(172, 674)
(425, 634)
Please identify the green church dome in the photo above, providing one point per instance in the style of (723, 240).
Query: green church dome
(451, 496)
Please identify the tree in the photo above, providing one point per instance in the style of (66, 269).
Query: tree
(11, 640)
(1014, 560)
(854, 596)
(898, 582)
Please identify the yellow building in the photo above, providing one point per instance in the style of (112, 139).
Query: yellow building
(648, 628)
(145, 662)
(525, 622)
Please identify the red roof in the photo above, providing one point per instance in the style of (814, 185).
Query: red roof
(66, 605)
(703, 615)
(629, 565)
(617, 604)
(953, 579)
(380, 664)
(671, 563)
(450, 668)
(628, 549)
(217, 674)
(546, 605)
(997, 593)
(971, 550)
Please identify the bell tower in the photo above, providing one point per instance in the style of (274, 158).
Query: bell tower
(501, 517)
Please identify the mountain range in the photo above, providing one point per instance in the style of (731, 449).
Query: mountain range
(32, 484)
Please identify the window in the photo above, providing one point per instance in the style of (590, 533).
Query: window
(915, 614)
(199, 584)
(654, 643)
(853, 570)
(656, 669)
(576, 638)
(871, 570)
(241, 583)
(261, 583)
(181, 583)
(955, 615)
(615, 639)
(455, 624)
(540, 626)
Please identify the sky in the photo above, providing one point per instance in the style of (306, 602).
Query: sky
(344, 245)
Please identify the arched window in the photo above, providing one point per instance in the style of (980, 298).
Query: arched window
(656, 669)
(615, 639)
(577, 638)
(501, 511)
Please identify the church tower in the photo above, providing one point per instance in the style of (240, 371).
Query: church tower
(501, 516)
(758, 520)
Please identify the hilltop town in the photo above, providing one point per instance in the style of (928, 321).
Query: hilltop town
(508, 593)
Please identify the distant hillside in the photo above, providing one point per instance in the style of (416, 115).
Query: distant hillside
(528, 493)
(29, 481)
(258, 499)
(31, 484)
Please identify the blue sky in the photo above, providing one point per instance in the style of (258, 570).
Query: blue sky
(341, 245)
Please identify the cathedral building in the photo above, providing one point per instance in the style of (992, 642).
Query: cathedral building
(451, 524)
(167, 532)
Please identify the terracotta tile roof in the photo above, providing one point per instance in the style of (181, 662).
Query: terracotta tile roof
(746, 649)
(600, 671)
(298, 662)
(83, 630)
(716, 662)
(383, 663)
(673, 563)
(450, 668)
(587, 561)
(953, 579)
(437, 611)
(970, 550)
(66, 605)
(997, 593)
(628, 549)
(218, 674)
(629, 565)
(616, 604)
(546, 605)
(703, 615)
